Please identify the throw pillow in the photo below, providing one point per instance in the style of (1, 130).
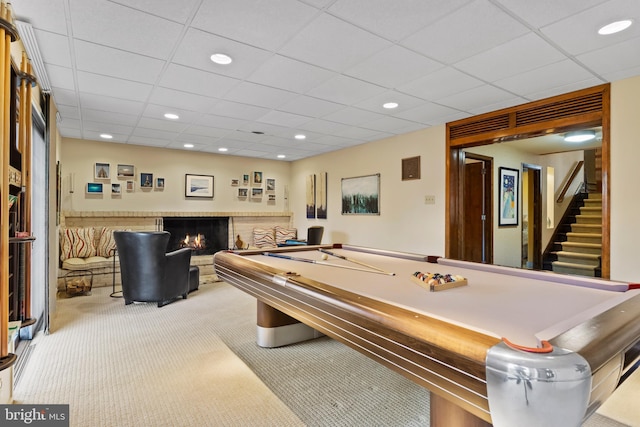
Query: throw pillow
(283, 234)
(263, 238)
(77, 243)
(106, 243)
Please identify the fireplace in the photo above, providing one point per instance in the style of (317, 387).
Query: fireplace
(205, 235)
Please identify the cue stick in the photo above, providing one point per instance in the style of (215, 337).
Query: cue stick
(354, 261)
(312, 261)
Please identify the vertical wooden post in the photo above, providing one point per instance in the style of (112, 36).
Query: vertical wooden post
(4, 195)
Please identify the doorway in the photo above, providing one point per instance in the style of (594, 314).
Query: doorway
(531, 217)
(476, 205)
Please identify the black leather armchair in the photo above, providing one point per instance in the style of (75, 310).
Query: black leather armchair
(149, 274)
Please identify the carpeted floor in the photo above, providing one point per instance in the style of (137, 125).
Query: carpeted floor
(195, 363)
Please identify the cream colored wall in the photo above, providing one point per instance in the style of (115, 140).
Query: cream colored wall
(78, 158)
(625, 177)
(405, 222)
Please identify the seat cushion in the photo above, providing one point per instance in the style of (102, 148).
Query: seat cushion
(283, 234)
(77, 243)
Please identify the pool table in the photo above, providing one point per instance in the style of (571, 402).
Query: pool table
(510, 347)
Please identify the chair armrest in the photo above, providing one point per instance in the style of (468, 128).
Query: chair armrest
(177, 268)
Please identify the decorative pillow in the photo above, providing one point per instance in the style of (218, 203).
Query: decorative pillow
(106, 243)
(263, 237)
(77, 243)
(283, 234)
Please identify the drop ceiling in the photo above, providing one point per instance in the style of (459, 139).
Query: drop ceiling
(322, 68)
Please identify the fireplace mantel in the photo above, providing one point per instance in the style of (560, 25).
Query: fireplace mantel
(241, 223)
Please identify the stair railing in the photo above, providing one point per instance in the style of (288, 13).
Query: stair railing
(567, 184)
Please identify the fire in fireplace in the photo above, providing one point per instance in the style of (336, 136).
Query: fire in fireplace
(205, 235)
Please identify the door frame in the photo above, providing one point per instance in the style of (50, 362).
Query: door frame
(575, 110)
(487, 202)
(535, 198)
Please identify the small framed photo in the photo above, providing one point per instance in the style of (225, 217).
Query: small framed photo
(245, 179)
(126, 171)
(235, 182)
(146, 180)
(94, 188)
(131, 186)
(242, 192)
(256, 193)
(198, 186)
(256, 178)
(271, 184)
(102, 171)
(160, 183)
(116, 190)
(272, 197)
(411, 168)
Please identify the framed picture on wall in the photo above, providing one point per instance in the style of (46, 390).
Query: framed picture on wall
(271, 184)
(256, 178)
(311, 196)
(131, 186)
(361, 195)
(116, 190)
(321, 196)
(101, 171)
(198, 186)
(126, 171)
(160, 183)
(94, 188)
(509, 196)
(245, 179)
(146, 180)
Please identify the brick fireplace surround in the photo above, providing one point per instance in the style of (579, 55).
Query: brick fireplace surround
(240, 223)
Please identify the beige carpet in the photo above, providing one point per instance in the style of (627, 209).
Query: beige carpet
(195, 363)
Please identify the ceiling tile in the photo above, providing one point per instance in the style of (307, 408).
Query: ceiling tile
(204, 131)
(570, 87)
(107, 103)
(46, 15)
(197, 46)
(240, 111)
(162, 125)
(198, 82)
(311, 107)
(182, 100)
(391, 124)
(393, 66)
(266, 24)
(111, 86)
(427, 113)
(333, 44)
(100, 116)
(354, 116)
(612, 59)
(439, 84)
(177, 11)
(466, 32)
(62, 76)
(578, 33)
(390, 18)
(219, 122)
(289, 74)
(345, 90)
(475, 98)
(404, 101)
(282, 118)
(262, 96)
(537, 12)
(54, 48)
(544, 78)
(110, 24)
(158, 111)
(104, 60)
(514, 57)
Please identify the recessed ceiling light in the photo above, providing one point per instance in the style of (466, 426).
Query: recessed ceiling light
(171, 116)
(223, 149)
(579, 136)
(188, 145)
(106, 136)
(300, 136)
(221, 58)
(615, 27)
(281, 156)
(390, 105)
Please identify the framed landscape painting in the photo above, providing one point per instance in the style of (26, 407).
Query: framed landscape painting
(198, 186)
(361, 195)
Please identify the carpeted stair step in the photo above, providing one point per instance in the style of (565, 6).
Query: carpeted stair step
(584, 237)
(593, 202)
(591, 210)
(579, 258)
(585, 248)
(572, 268)
(589, 219)
(586, 228)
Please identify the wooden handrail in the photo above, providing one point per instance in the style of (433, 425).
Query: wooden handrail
(574, 172)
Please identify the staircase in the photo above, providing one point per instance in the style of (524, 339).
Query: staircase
(580, 250)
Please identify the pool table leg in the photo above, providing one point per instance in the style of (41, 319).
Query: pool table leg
(446, 414)
(276, 329)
